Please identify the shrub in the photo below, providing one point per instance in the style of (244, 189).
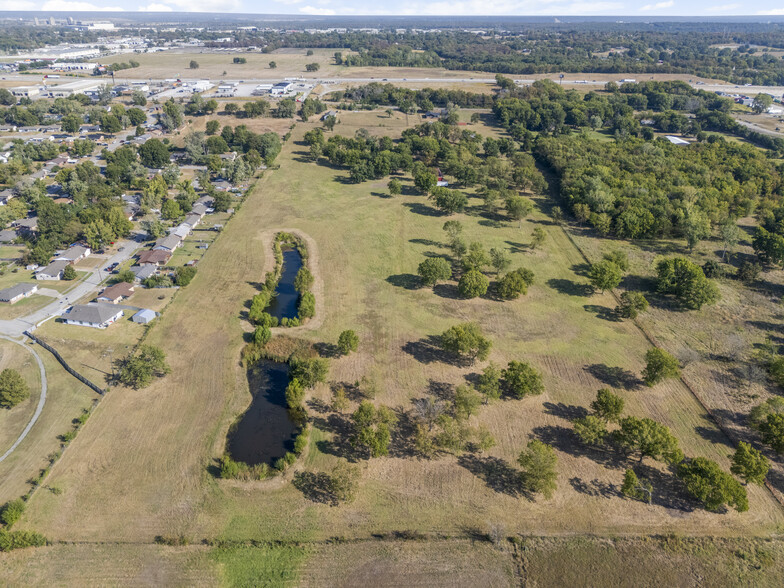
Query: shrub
(433, 270)
(309, 371)
(12, 511)
(632, 304)
(659, 366)
(348, 342)
(13, 388)
(183, 275)
(473, 283)
(307, 306)
(520, 379)
(10, 540)
(515, 283)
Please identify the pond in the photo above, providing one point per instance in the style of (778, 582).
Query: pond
(284, 304)
(265, 431)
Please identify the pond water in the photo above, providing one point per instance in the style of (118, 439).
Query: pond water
(284, 304)
(264, 432)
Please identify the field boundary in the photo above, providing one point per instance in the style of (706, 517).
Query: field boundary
(65, 365)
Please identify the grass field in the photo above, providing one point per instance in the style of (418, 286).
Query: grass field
(13, 421)
(161, 440)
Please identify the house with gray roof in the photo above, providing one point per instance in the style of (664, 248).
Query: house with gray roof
(168, 243)
(144, 316)
(74, 254)
(97, 316)
(53, 271)
(8, 236)
(16, 292)
(142, 272)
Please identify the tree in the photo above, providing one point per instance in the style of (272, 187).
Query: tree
(632, 304)
(537, 237)
(372, 428)
(649, 439)
(619, 258)
(749, 464)
(633, 488)
(69, 273)
(193, 64)
(607, 406)
(170, 209)
(472, 284)
(449, 201)
(476, 258)
(11, 512)
(212, 126)
(499, 260)
(262, 335)
(518, 208)
(466, 401)
(520, 380)
(312, 66)
(538, 462)
(307, 306)
(759, 414)
(344, 481)
(303, 281)
(714, 488)
(605, 275)
(13, 388)
(434, 269)
(126, 276)
(286, 108)
(515, 283)
(761, 103)
(295, 393)
(590, 429)
(395, 187)
(489, 382)
(425, 181)
(729, 233)
(138, 98)
(183, 275)
(686, 281)
(272, 65)
(330, 122)
(154, 154)
(659, 365)
(111, 124)
(466, 339)
(71, 123)
(348, 342)
(772, 429)
(138, 369)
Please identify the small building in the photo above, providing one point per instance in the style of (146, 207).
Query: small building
(116, 293)
(155, 257)
(97, 316)
(329, 113)
(53, 271)
(281, 88)
(144, 316)
(74, 254)
(8, 236)
(26, 91)
(168, 243)
(16, 292)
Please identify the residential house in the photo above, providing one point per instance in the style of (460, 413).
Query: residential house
(8, 236)
(155, 257)
(116, 293)
(53, 271)
(142, 272)
(144, 316)
(192, 220)
(199, 209)
(6, 195)
(16, 292)
(676, 140)
(74, 254)
(26, 225)
(97, 316)
(168, 243)
(181, 231)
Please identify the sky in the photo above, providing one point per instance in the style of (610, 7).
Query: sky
(704, 8)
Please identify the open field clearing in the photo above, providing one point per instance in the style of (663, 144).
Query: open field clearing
(13, 421)
(65, 400)
(161, 441)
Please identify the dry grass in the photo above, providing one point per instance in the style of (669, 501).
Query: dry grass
(160, 441)
(13, 421)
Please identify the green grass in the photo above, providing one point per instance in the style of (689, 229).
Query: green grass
(269, 567)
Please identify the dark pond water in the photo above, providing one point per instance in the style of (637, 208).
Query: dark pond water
(284, 304)
(265, 432)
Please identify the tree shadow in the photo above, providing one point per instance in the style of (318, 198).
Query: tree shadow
(615, 377)
(402, 442)
(496, 473)
(329, 350)
(318, 406)
(581, 269)
(603, 312)
(341, 428)
(428, 350)
(406, 281)
(447, 290)
(569, 287)
(515, 247)
(381, 195)
(427, 242)
(423, 209)
(715, 436)
(595, 487)
(316, 487)
(353, 391)
(492, 223)
(568, 412)
(443, 390)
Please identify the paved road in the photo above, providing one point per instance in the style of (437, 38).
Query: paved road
(16, 327)
(41, 399)
(759, 129)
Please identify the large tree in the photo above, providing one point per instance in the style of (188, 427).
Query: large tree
(649, 439)
(466, 340)
(433, 270)
(605, 275)
(712, 486)
(13, 388)
(749, 464)
(538, 462)
(372, 428)
(154, 154)
(519, 380)
(659, 365)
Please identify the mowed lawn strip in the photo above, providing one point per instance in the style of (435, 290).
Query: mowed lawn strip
(139, 468)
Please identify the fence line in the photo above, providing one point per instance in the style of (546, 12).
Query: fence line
(63, 363)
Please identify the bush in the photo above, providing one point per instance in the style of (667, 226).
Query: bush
(307, 306)
(10, 540)
(659, 366)
(348, 342)
(309, 371)
(749, 272)
(13, 388)
(515, 283)
(183, 275)
(519, 380)
(433, 270)
(11, 512)
(632, 304)
(69, 273)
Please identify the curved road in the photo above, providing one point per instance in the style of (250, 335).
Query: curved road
(41, 400)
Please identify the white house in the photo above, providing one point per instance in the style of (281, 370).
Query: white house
(53, 271)
(74, 254)
(16, 292)
(98, 316)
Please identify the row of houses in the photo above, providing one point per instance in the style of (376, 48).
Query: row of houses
(55, 270)
(99, 315)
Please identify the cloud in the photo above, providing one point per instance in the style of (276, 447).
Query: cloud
(317, 11)
(76, 6)
(774, 12)
(591, 7)
(205, 5)
(722, 8)
(659, 5)
(17, 5)
(155, 8)
(288, 2)
(506, 7)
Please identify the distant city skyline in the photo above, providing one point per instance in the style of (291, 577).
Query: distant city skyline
(703, 8)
